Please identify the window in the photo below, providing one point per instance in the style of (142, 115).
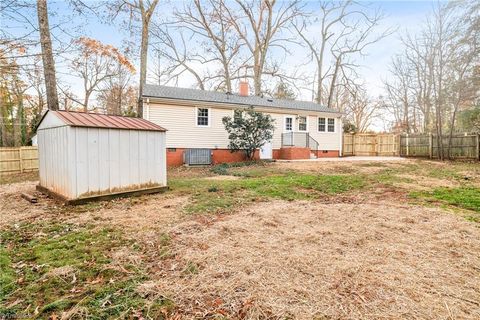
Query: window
(237, 114)
(288, 123)
(302, 123)
(321, 124)
(331, 125)
(203, 117)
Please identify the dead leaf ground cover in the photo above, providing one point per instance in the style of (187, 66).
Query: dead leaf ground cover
(270, 240)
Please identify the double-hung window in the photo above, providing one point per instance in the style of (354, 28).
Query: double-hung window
(331, 125)
(203, 117)
(321, 124)
(326, 124)
(288, 123)
(302, 123)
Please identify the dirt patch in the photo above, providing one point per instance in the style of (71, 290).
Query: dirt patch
(422, 183)
(139, 216)
(222, 178)
(308, 260)
(347, 167)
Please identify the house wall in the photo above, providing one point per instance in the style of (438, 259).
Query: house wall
(183, 133)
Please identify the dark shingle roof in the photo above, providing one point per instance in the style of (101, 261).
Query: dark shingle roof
(156, 91)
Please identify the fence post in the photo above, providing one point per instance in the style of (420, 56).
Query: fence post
(353, 144)
(478, 146)
(407, 140)
(430, 145)
(20, 158)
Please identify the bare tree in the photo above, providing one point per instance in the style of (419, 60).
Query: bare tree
(95, 64)
(144, 8)
(216, 35)
(345, 31)
(177, 59)
(47, 55)
(259, 25)
(435, 75)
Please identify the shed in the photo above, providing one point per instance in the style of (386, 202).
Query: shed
(87, 156)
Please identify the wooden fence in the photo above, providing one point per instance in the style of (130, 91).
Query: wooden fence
(18, 160)
(464, 146)
(370, 144)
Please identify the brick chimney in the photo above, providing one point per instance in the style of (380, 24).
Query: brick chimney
(244, 88)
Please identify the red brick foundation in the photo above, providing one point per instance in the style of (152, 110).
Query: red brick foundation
(294, 153)
(328, 154)
(175, 155)
(225, 156)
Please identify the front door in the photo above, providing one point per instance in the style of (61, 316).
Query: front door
(266, 151)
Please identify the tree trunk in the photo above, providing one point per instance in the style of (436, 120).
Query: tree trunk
(332, 84)
(47, 55)
(143, 65)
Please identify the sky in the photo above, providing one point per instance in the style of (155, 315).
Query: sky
(400, 15)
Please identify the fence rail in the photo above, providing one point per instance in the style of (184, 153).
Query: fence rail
(463, 146)
(18, 160)
(366, 144)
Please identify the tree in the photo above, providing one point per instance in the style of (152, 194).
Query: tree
(145, 8)
(259, 24)
(436, 76)
(219, 42)
(248, 130)
(345, 31)
(47, 55)
(283, 91)
(469, 120)
(95, 64)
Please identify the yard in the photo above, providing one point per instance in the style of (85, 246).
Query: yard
(303, 240)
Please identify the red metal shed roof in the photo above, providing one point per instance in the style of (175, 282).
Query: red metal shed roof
(95, 120)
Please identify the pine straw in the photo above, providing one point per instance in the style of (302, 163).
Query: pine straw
(308, 260)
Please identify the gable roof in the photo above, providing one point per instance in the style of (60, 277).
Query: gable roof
(156, 91)
(96, 120)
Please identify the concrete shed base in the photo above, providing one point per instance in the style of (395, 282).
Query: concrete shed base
(102, 197)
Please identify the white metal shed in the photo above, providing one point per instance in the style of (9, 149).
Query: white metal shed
(87, 156)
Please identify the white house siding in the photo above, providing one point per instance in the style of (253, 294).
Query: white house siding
(180, 120)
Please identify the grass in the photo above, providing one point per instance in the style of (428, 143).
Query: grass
(50, 269)
(219, 196)
(465, 197)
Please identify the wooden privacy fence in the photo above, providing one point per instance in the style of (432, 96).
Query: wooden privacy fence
(18, 160)
(464, 146)
(370, 144)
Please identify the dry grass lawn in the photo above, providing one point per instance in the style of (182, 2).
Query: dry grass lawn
(393, 240)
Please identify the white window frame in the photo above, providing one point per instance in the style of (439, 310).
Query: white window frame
(285, 123)
(306, 124)
(209, 117)
(318, 124)
(334, 125)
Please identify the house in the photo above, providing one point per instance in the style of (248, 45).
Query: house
(86, 156)
(303, 130)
